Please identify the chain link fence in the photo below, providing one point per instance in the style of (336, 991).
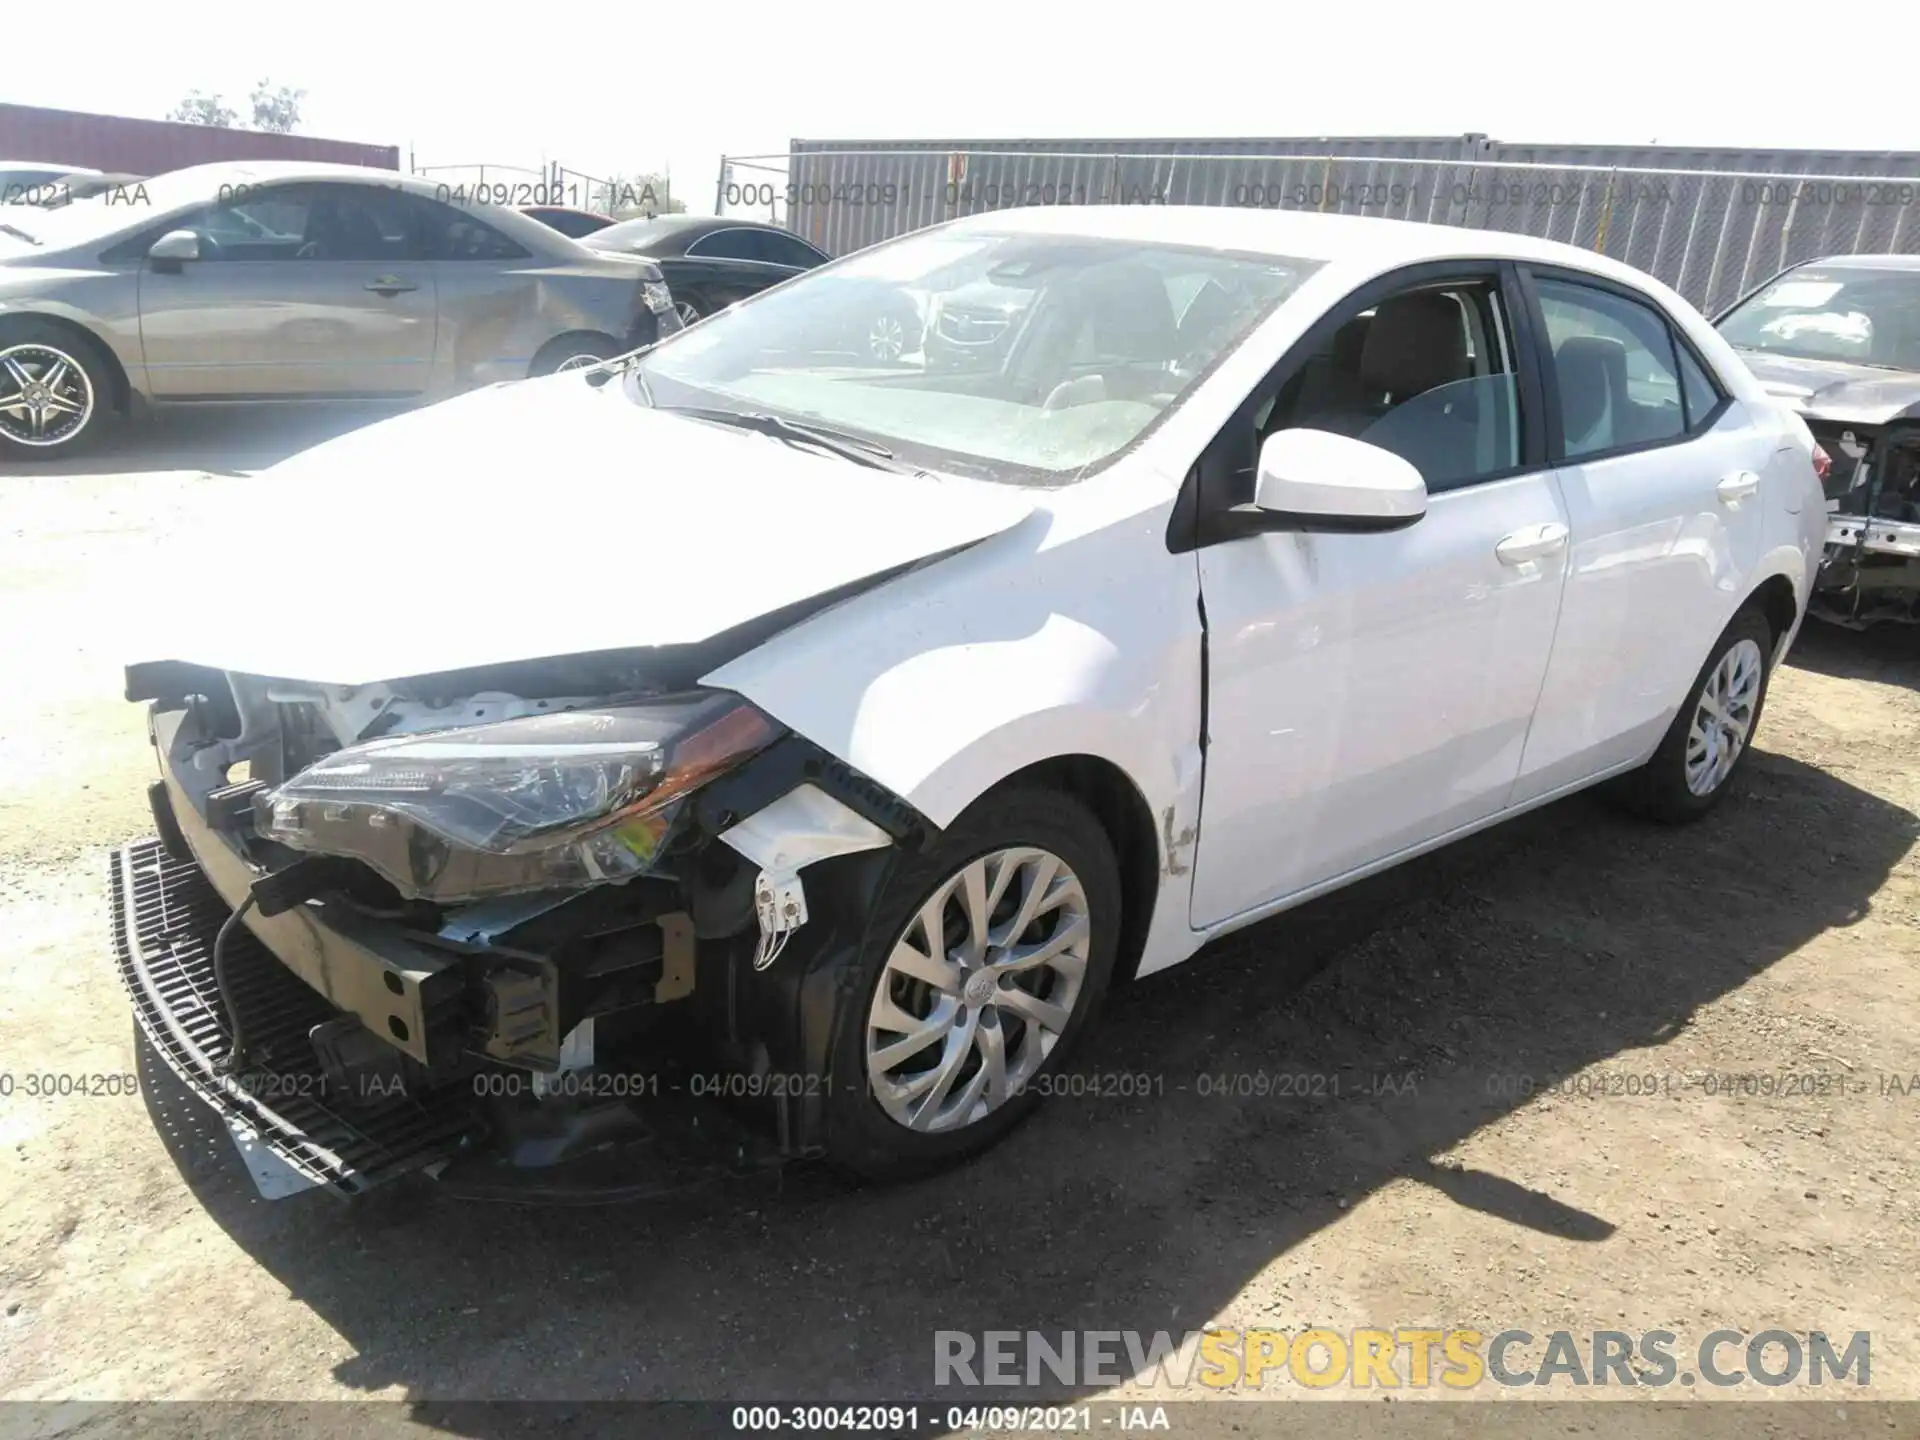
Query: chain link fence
(1710, 234)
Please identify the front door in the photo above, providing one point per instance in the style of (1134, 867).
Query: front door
(311, 291)
(1368, 693)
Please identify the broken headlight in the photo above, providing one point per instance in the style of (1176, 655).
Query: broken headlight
(556, 801)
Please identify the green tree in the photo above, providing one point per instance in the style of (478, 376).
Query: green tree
(276, 110)
(200, 108)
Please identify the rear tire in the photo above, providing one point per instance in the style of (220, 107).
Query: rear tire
(1707, 744)
(1037, 852)
(573, 352)
(46, 373)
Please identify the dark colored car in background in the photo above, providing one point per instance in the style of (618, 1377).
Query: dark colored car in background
(1838, 340)
(574, 224)
(711, 262)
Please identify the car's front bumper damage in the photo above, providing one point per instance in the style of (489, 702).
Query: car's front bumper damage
(593, 1044)
(1870, 571)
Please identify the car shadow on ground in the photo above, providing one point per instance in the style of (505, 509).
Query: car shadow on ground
(1535, 950)
(1886, 654)
(217, 439)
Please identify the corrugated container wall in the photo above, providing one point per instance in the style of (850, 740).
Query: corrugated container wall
(1709, 222)
(152, 147)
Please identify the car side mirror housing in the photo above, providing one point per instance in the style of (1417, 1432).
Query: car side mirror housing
(174, 248)
(1316, 480)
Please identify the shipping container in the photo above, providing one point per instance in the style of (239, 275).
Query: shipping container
(1710, 221)
(120, 144)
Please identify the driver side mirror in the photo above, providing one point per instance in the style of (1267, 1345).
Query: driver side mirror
(1316, 480)
(172, 249)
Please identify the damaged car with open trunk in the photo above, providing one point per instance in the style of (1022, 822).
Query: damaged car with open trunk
(729, 753)
(1838, 339)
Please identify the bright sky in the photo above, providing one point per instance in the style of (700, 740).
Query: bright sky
(627, 87)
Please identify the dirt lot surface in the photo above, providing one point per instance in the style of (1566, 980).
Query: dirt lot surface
(1507, 1173)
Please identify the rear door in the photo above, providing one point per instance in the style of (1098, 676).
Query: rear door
(1660, 469)
(1368, 693)
(493, 306)
(309, 291)
(745, 261)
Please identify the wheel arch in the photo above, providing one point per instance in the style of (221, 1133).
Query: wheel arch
(1777, 602)
(1122, 810)
(1779, 591)
(559, 344)
(122, 396)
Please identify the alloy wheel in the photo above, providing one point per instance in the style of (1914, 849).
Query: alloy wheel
(1723, 717)
(687, 311)
(46, 397)
(978, 989)
(579, 362)
(887, 339)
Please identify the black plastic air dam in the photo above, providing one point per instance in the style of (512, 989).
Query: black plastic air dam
(165, 916)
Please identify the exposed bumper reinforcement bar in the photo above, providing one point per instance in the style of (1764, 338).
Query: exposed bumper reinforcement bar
(1882, 537)
(294, 1135)
(165, 916)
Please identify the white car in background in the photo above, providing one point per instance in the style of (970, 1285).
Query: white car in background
(855, 728)
(33, 182)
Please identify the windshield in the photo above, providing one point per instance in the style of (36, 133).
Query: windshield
(1868, 317)
(122, 207)
(1027, 358)
(14, 179)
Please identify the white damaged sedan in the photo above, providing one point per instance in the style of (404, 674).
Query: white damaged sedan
(741, 740)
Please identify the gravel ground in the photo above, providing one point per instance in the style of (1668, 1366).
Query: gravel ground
(1507, 1174)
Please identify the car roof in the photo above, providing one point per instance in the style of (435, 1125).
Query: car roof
(209, 179)
(671, 234)
(227, 172)
(1865, 262)
(1356, 241)
(59, 165)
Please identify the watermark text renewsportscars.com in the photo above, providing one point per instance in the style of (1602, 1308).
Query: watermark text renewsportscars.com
(1401, 1357)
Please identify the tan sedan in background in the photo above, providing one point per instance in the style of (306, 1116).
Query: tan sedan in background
(276, 282)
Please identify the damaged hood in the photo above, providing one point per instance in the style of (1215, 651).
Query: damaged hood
(1835, 390)
(543, 518)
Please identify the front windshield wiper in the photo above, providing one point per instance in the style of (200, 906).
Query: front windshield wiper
(848, 447)
(18, 233)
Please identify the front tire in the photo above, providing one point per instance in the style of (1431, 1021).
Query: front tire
(1709, 739)
(988, 960)
(56, 391)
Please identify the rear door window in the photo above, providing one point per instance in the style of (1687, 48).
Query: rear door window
(1616, 366)
(786, 250)
(728, 245)
(450, 233)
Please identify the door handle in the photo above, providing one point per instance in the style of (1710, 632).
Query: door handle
(1533, 543)
(1737, 486)
(391, 285)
